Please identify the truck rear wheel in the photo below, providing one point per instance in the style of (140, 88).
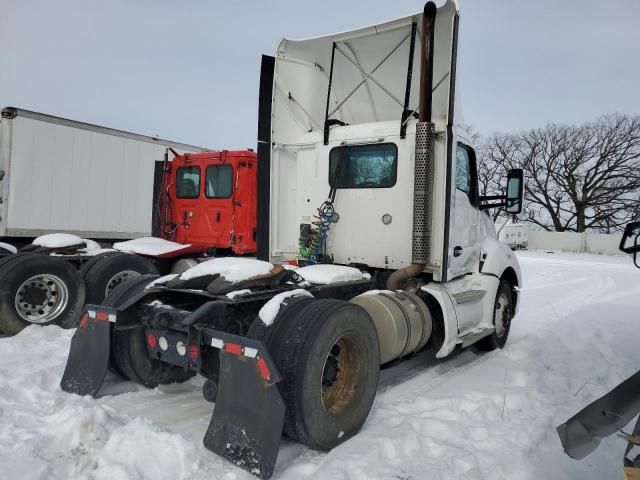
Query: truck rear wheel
(38, 289)
(129, 353)
(106, 271)
(328, 354)
(132, 358)
(502, 314)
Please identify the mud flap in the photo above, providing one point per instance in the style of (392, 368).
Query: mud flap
(246, 426)
(88, 359)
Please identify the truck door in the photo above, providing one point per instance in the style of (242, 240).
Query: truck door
(203, 207)
(464, 238)
(187, 195)
(218, 193)
(244, 206)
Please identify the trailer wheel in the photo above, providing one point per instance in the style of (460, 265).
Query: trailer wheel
(38, 289)
(106, 271)
(328, 354)
(502, 316)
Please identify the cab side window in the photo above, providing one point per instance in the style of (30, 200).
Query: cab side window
(463, 170)
(364, 166)
(219, 181)
(188, 182)
(466, 173)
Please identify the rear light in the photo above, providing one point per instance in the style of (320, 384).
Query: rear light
(194, 352)
(233, 348)
(263, 369)
(152, 340)
(163, 343)
(102, 315)
(293, 262)
(84, 320)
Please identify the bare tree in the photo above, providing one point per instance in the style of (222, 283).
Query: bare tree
(576, 178)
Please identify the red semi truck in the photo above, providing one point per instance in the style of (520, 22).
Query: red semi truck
(204, 205)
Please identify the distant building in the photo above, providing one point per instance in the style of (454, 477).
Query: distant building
(516, 235)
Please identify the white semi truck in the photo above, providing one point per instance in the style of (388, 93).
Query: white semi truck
(368, 185)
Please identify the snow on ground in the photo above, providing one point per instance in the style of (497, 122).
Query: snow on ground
(471, 416)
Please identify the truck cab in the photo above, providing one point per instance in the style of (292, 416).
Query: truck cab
(386, 146)
(208, 200)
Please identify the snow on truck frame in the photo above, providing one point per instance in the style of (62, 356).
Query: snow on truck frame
(398, 257)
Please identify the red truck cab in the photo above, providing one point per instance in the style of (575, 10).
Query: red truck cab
(209, 200)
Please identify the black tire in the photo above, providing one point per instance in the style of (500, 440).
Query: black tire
(106, 271)
(3, 261)
(7, 258)
(502, 306)
(129, 352)
(302, 341)
(39, 289)
(119, 338)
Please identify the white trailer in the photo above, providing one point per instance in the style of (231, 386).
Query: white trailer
(59, 175)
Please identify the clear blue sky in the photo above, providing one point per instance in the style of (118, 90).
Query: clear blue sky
(188, 71)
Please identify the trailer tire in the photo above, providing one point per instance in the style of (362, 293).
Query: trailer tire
(332, 341)
(503, 307)
(129, 349)
(106, 271)
(39, 289)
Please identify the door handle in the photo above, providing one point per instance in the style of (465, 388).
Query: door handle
(218, 217)
(457, 251)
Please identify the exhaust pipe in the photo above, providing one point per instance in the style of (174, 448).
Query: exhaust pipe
(424, 157)
(426, 62)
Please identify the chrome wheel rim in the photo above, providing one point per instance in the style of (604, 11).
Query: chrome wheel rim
(502, 315)
(41, 298)
(119, 278)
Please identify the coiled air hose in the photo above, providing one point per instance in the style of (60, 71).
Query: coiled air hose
(312, 246)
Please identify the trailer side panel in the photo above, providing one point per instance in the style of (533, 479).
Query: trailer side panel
(67, 178)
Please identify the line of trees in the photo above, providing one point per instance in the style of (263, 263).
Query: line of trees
(577, 178)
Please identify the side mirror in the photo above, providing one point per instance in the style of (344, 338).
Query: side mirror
(515, 191)
(631, 232)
